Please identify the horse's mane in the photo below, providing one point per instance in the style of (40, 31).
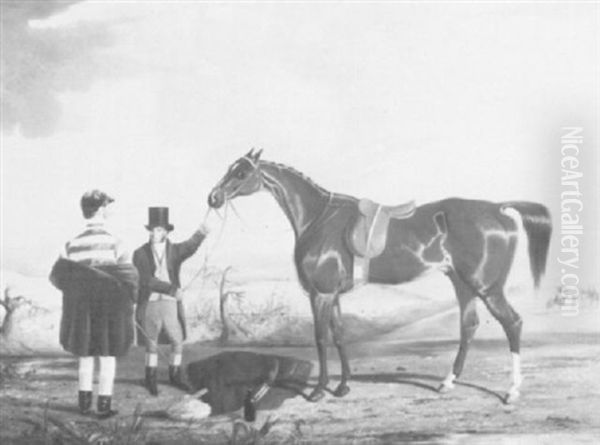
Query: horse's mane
(297, 173)
(309, 180)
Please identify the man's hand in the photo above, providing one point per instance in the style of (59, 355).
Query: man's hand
(204, 228)
(210, 222)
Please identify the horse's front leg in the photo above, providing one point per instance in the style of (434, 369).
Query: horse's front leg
(321, 306)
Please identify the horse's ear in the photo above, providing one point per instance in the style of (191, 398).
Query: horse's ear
(257, 154)
(250, 153)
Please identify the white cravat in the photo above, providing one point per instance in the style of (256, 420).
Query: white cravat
(159, 250)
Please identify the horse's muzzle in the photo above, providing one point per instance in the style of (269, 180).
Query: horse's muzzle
(216, 198)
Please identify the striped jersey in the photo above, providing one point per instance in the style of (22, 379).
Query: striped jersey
(95, 245)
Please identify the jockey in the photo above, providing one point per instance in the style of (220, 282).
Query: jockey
(99, 286)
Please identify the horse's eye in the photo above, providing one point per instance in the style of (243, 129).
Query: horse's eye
(241, 174)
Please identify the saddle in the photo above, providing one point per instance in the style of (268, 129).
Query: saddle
(368, 237)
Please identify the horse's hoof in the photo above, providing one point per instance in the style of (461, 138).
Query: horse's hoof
(341, 390)
(445, 388)
(316, 395)
(511, 397)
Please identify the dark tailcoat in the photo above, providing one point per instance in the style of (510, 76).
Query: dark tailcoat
(97, 312)
(143, 259)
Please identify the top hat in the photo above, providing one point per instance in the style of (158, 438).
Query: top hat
(159, 217)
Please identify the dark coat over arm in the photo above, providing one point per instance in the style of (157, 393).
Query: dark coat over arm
(97, 312)
(143, 259)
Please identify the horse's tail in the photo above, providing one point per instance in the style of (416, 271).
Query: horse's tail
(538, 226)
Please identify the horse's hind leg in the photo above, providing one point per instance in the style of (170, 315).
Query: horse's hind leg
(512, 324)
(469, 321)
(337, 330)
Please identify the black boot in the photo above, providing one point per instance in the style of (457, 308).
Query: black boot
(104, 411)
(150, 381)
(176, 378)
(249, 407)
(85, 402)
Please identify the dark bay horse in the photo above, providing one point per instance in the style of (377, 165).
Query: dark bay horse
(472, 242)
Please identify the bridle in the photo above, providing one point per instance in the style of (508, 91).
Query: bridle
(255, 167)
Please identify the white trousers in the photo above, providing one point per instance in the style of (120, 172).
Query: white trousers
(106, 379)
(152, 359)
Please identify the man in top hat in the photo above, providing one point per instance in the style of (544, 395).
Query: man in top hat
(160, 309)
(99, 286)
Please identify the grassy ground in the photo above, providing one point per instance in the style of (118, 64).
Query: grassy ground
(393, 396)
(393, 399)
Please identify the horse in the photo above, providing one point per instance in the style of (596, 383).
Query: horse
(472, 242)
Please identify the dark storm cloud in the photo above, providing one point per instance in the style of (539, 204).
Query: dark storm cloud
(39, 63)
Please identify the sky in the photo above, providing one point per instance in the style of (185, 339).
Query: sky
(152, 101)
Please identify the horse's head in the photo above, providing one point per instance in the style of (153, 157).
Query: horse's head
(242, 179)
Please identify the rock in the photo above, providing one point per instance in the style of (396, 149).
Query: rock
(229, 375)
(28, 328)
(188, 408)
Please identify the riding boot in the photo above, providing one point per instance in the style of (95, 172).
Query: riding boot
(104, 411)
(85, 402)
(150, 381)
(249, 407)
(176, 378)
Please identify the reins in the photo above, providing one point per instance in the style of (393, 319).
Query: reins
(208, 254)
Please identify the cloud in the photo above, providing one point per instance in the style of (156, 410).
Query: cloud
(38, 63)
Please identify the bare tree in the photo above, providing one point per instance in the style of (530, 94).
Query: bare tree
(229, 326)
(10, 304)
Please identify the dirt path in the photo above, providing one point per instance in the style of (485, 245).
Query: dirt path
(392, 398)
